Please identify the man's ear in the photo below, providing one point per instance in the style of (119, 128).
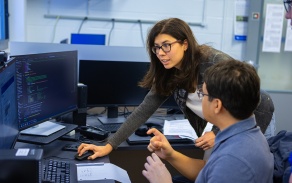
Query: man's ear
(217, 105)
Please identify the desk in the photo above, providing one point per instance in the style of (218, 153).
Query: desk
(129, 157)
(133, 157)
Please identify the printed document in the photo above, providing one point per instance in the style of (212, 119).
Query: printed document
(101, 171)
(182, 128)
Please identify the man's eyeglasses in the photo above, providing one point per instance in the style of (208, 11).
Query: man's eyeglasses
(287, 5)
(201, 94)
(166, 47)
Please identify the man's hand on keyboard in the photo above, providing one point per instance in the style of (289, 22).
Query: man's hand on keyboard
(99, 151)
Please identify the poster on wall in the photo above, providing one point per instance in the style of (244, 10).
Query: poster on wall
(288, 40)
(273, 28)
(240, 19)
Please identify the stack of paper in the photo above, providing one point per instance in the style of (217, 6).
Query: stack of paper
(182, 128)
(101, 171)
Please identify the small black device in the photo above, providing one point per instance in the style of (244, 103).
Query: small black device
(74, 146)
(3, 57)
(71, 147)
(93, 133)
(84, 156)
(71, 137)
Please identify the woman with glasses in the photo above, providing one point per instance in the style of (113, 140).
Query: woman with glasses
(178, 63)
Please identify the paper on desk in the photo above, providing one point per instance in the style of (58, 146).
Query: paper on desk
(182, 128)
(101, 171)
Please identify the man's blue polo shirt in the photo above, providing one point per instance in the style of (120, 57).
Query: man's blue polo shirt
(241, 155)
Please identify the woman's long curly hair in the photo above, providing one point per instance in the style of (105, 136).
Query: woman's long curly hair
(164, 80)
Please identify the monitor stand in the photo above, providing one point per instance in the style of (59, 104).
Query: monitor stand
(43, 129)
(112, 116)
(42, 140)
(106, 120)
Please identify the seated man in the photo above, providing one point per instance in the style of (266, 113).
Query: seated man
(230, 95)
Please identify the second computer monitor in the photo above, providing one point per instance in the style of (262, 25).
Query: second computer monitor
(115, 83)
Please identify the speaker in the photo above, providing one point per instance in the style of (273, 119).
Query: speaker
(3, 57)
(79, 116)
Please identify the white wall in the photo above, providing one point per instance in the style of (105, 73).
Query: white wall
(17, 20)
(215, 15)
(282, 103)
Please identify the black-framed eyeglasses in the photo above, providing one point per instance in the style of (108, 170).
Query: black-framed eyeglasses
(200, 92)
(166, 47)
(287, 5)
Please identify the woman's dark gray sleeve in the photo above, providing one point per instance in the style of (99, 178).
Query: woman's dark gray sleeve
(138, 117)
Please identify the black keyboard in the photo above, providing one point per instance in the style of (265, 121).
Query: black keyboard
(56, 171)
(111, 127)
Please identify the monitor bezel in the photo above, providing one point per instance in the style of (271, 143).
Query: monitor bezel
(170, 103)
(11, 63)
(53, 116)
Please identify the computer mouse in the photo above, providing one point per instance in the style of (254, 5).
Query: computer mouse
(141, 131)
(155, 125)
(84, 156)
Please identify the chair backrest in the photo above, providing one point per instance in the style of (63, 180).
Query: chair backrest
(264, 111)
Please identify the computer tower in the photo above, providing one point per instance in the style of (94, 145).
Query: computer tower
(79, 116)
(21, 165)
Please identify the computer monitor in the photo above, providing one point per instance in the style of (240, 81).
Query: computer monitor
(115, 83)
(4, 31)
(46, 86)
(91, 39)
(8, 108)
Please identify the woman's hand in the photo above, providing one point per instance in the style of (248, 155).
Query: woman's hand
(206, 141)
(99, 151)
